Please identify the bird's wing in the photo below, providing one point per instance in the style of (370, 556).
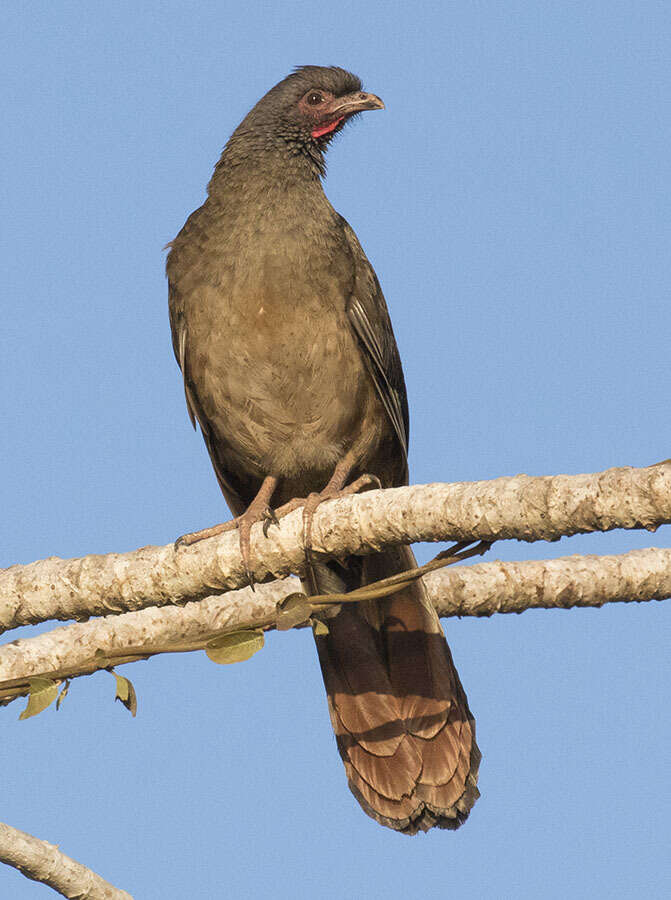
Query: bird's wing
(180, 346)
(368, 315)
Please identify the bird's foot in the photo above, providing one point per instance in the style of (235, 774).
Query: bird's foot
(258, 510)
(330, 492)
(312, 501)
(243, 524)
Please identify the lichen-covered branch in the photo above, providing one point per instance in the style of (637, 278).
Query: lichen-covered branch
(478, 590)
(521, 507)
(44, 862)
(562, 583)
(70, 651)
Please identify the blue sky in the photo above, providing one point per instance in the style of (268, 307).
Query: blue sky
(514, 199)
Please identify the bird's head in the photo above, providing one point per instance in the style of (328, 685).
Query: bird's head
(301, 114)
(314, 102)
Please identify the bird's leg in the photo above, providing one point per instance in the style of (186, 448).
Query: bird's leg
(258, 511)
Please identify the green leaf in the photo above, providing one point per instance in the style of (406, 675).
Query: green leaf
(63, 694)
(294, 610)
(236, 647)
(43, 692)
(319, 628)
(125, 692)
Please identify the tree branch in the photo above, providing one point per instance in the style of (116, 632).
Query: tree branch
(134, 587)
(562, 583)
(478, 590)
(522, 507)
(44, 862)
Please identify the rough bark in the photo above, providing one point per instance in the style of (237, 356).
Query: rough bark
(521, 507)
(478, 590)
(44, 862)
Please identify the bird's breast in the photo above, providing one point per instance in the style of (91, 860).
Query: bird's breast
(276, 366)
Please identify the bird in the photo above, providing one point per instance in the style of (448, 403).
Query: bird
(290, 367)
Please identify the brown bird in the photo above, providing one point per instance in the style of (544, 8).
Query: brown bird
(292, 371)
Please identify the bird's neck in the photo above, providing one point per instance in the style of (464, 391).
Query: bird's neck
(256, 164)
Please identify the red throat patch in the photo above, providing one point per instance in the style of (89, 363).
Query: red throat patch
(326, 129)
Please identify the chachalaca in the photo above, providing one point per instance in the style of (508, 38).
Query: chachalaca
(292, 371)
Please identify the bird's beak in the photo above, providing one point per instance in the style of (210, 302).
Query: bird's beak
(354, 103)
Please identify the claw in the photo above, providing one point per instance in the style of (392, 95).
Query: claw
(250, 579)
(269, 518)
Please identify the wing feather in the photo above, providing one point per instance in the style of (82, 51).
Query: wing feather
(369, 317)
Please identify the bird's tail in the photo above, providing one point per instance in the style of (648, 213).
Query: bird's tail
(398, 710)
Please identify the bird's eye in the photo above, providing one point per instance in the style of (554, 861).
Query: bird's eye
(314, 97)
